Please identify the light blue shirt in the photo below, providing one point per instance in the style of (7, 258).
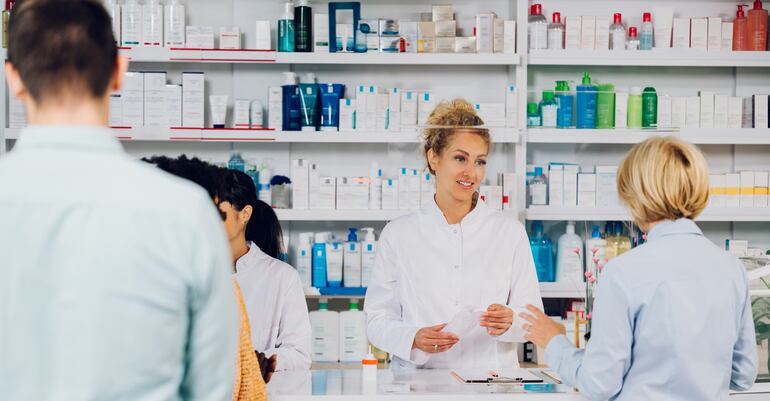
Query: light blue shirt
(672, 322)
(114, 276)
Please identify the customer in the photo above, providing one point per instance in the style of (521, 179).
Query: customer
(271, 288)
(251, 375)
(673, 317)
(111, 278)
(453, 255)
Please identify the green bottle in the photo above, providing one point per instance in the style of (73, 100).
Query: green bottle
(533, 115)
(649, 108)
(605, 106)
(635, 108)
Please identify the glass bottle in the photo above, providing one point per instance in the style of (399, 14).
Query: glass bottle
(556, 33)
(542, 252)
(633, 40)
(645, 39)
(538, 28)
(617, 33)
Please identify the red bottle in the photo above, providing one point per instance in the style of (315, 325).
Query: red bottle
(757, 27)
(740, 30)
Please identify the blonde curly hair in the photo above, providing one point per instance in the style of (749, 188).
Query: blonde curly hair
(448, 117)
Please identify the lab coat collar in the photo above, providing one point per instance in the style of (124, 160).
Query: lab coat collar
(73, 137)
(432, 209)
(673, 227)
(251, 258)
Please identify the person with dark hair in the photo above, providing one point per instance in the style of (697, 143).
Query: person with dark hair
(271, 288)
(249, 383)
(111, 278)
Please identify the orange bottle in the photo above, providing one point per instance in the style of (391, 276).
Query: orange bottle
(740, 30)
(757, 27)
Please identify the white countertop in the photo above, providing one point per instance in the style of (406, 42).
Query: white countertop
(424, 385)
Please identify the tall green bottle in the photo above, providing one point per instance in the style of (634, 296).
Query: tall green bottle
(605, 106)
(635, 108)
(649, 108)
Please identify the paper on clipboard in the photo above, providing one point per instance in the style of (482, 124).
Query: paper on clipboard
(461, 325)
(511, 375)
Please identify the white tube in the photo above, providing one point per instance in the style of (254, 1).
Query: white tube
(218, 106)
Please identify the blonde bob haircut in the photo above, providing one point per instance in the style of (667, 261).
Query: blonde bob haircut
(663, 178)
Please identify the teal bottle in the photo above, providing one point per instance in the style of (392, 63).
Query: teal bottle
(542, 253)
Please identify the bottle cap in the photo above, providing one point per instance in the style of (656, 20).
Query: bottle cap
(352, 234)
(369, 236)
(369, 359)
(547, 95)
(353, 305)
(740, 13)
(538, 9)
(595, 233)
(586, 79)
(757, 4)
(646, 17)
(632, 32)
(557, 17)
(617, 18)
(635, 90)
(531, 108)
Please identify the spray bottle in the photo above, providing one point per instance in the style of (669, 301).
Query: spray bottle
(286, 28)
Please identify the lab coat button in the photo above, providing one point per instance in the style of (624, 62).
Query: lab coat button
(454, 231)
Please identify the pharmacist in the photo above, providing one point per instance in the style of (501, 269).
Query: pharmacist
(453, 255)
(272, 290)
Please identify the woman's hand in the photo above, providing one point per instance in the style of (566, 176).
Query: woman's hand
(433, 341)
(540, 328)
(497, 319)
(266, 365)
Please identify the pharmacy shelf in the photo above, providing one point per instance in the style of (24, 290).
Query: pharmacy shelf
(250, 56)
(149, 134)
(339, 215)
(563, 213)
(330, 297)
(547, 290)
(701, 136)
(654, 58)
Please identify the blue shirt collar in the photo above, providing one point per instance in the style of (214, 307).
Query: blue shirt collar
(73, 137)
(674, 227)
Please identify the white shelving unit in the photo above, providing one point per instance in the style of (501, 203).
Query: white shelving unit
(686, 58)
(561, 213)
(499, 135)
(547, 290)
(248, 56)
(716, 136)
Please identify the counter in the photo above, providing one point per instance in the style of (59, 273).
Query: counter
(426, 385)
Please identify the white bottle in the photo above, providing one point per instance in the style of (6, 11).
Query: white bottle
(152, 23)
(369, 373)
(538, 189)
(368, 253)
(375, 187)
(595, 250)
(325, 325)
(334, 258)
(556, 33)
(257, 114)
(569, 258)
(351, 261)
(131, 23)
(304, 259)
(264, 192)
(353, 343)
(175, 26)
(617, 33)
(537, 28)
(113, 8)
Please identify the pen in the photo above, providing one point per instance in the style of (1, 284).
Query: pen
(555, 380)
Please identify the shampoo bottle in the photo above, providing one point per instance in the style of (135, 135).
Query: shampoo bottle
(605, 106)
(565, 100)
(368, 253)
(353, 342)
(542, 252)
(325, 325)
(586, 103)
(351, 261)
(334, 256)
(649, 108)
(549, 110)
(635, 108)
(303, 27)
(757, 27)
(740, 30)
(286, 28)
(569, 256)
(319, 260)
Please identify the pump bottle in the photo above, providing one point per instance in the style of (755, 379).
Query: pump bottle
(286, 28)
(740, 31)
(569, 256)
(586, 103)
(368, 253)
(351, 261)
(757, 27)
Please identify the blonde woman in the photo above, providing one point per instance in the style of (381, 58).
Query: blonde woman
(453, 255)
(673, 317)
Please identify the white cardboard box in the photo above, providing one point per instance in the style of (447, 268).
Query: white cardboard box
(732, 190)
(425, 106)
(664, 111)
(300, 184)
(390, 194)
(509, 37)
(485, 33)
(587, 190)
(511, 106)
(699, 33)
(588, 33)
(571, 185)
(760, 111)
(715, 34)
(347, 115)
(761, 185)
(133, 99)
(679, 112)
(681, 38)
(116, 110)
(263, 40)
(556, 185)
(154, 99)
(720, 111)
(706, 109)
(606, 187)
(621, 110)
(320, 33)
(275, 107)
(692, 118)
(573, 31)
(727, 36)
(747, 189)
(510, 192)
(735, 112)
(602, 33)
(193, 99)
(174, 105)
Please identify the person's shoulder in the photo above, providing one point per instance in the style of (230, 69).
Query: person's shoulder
(404, 223)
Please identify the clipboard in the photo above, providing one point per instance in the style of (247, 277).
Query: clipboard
(511, 376)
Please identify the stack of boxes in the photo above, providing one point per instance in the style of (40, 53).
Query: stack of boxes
(568, 187)
(743, 189)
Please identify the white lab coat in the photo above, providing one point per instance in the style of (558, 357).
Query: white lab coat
(427, 270)
(277, 309)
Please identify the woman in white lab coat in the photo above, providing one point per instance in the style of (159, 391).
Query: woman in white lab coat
(272, 291)
(454, 255)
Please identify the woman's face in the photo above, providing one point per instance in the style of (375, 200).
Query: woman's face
(461, 167)
(234, 221)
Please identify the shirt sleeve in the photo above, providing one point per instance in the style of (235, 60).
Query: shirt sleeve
(744, 369)
(212, 344)
(599, 370)
(524, 287)
(384, 324)
(293, 345)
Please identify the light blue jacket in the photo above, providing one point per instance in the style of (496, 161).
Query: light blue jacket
(672, 322)
(114, 277)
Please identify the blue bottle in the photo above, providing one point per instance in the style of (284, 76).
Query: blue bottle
(565, 100)
(319, 260)
(542, 253)
(586, 103)
(236, 162)
(291, 106)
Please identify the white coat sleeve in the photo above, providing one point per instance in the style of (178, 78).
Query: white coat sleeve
(293, 345)
(384, 324)
(598, 371)
(524, 287)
